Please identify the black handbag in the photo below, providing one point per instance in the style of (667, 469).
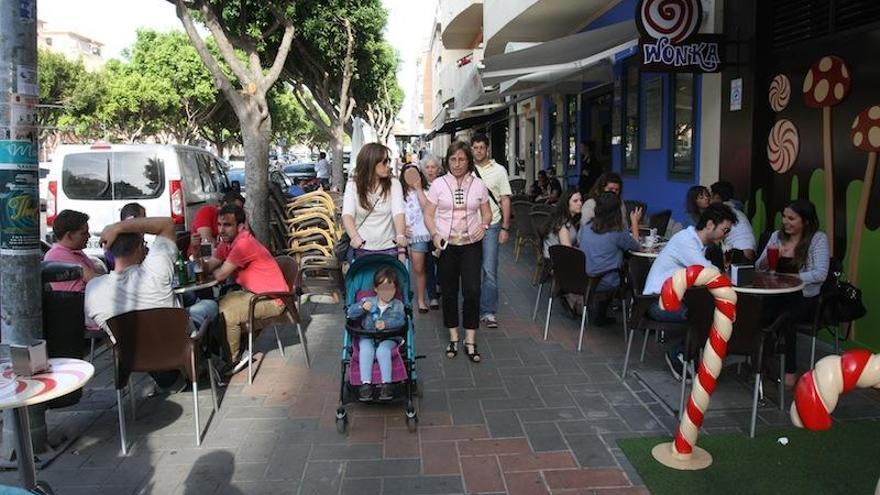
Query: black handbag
(342, 248)
(843, 300)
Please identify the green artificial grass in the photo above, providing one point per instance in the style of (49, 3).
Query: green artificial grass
(844, 459)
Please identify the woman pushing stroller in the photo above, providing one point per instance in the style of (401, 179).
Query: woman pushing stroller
(377, 314)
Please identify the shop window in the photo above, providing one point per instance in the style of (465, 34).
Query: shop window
(681, 164)
(630, 142)
(571, 103)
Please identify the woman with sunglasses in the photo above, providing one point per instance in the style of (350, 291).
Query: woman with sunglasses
(373, 206)
(457, 215)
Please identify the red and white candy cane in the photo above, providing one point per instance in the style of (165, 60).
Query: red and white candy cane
(716, 346)
(817, 391)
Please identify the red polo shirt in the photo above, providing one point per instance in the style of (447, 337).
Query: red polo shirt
(257, 270)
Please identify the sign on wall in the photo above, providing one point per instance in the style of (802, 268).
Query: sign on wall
(669, 41)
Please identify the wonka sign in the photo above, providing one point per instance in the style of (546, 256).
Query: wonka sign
(669, 41)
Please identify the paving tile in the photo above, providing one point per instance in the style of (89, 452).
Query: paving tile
(482, 474)
(550, 414)
(383, 468)
(343, 452)
(544, 437)
(422, 485)
(288, 461)
(590, 451)
(555, 395)
(594, 406)
(466, 412)
(585, 478)
(367, 429)
(322, 477)
(503, 424)
(525, 483)
(638, 418)
(401, 443)
(536, 461)
(362, 486)
(440, 458)
(446, 433)
(493, 446)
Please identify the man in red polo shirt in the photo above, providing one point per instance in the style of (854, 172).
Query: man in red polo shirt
(255, 270)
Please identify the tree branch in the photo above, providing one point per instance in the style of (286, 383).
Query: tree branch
(281, 55)
(223, 42)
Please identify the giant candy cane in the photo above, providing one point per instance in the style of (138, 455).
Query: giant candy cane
(817, 391)
(713, 355)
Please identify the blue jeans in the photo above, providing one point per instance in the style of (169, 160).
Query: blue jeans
(489, 285)
(202, 310)
(369, 352)
(657, 314)
(431, 275)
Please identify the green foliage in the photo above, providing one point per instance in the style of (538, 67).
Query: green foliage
(58, 80)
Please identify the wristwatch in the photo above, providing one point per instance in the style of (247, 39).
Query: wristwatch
(506, 229)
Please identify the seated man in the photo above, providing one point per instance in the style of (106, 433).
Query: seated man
(741, 235)
(130, 210)
(141, 280)
(71, 230)
(255, 271)
(204, 224)
(684, 249)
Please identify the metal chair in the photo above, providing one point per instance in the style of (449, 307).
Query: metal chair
(570, 277)
(525, 230)
(156, 340)
(518, 186)
(290, 314)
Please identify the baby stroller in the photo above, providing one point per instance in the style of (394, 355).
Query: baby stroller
(358, 285)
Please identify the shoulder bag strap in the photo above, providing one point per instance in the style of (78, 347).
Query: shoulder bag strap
(491, 195)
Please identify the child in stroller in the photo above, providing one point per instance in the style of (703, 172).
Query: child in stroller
(377, 314)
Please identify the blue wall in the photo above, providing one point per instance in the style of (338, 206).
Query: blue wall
(652, 184)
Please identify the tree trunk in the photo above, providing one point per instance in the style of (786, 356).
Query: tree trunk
(337, 137)
(256, 134)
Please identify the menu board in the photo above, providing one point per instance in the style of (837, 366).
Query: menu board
(654, 113)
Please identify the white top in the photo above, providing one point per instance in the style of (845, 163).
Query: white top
(322, 169)
(741, 236)
(64, 376)
(376, 227)
(814, 272)
(683, 250)
(144, 286)
(494, 176)
(415, 220)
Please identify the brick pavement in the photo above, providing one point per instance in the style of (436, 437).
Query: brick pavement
(534, 417)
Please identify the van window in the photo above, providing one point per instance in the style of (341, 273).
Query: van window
(204, 166)
(189, 172)
(126, 175)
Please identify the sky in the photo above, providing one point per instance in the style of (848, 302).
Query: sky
(114, 23)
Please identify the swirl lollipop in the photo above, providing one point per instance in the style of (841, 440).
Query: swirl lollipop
(673, 19)
(783, 145)
(780, 92)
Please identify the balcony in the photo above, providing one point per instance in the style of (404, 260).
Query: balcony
(536, 20)
(462, 23)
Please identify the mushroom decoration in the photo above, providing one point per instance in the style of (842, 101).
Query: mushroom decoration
(827, 84)
(866, 137)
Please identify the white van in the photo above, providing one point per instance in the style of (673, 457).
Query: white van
(168, 180)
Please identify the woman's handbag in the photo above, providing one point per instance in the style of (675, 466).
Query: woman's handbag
(842, 300)
(342, 248)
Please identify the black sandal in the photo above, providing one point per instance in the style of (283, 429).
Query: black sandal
(452, 349)
(474, 356)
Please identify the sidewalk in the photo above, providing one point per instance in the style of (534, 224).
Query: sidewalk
(534, 417)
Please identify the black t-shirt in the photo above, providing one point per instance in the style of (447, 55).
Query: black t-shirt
(554, 186)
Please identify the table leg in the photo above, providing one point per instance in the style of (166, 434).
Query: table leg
(24, 448)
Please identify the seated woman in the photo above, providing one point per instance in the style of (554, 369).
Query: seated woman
(378, 313)
(565, 222)
(698, 198)
(607, 182)
(604, 240)
(803, 249)
(540, 190)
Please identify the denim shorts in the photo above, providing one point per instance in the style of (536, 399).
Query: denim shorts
(420, 247)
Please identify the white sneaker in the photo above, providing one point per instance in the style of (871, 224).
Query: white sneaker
(490, 320)
(244, 361)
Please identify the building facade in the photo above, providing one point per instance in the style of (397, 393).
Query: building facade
(72, 45)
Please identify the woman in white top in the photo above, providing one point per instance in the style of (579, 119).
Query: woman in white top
(414, 185)
(372, 206)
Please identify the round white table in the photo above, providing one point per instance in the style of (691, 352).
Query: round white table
(771, 284)
(643, 253)
(183, 289)
(65, 375)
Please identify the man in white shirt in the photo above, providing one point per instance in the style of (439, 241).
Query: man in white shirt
(141, 279)
(686, 248)
(741, 235)
(495, 178)
(322, 171)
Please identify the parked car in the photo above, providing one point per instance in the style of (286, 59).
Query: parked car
(237, 175)
(168, 180)
(235, 161)
(300, 172)
(287, 185)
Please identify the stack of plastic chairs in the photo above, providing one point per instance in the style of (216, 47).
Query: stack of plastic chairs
(312, 230)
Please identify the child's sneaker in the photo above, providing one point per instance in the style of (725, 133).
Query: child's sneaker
(385, 393)
(365, 392)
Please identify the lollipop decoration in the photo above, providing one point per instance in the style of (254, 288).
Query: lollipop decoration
(673, 19)
(780, 92)
(783, 145)
(683, 453)
(866, 137)
(825, 85)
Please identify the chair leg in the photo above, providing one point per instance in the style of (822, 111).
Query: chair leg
(92, 350)
(278, 340)
(583, 325)
(629, 343)
(782, 382)
(517, 249)
(813, 351)
(683, 382)
(305, 346)
(537, 302)
(195, 390)
(251, 359)
(132, 398)
(213, 382)
(547, 318)
(755, 405)
(645, 345)
(121, 410)
(625, 316)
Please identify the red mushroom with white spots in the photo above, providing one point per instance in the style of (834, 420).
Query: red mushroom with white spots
(866, 137)
(827, 84)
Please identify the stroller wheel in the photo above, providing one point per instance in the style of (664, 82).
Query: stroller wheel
(412, 421)
(341, 425)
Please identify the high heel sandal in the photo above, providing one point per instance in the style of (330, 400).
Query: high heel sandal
(474, 356)
(452, 349)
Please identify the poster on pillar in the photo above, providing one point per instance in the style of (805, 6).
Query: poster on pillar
(669, 41)
(19, 203)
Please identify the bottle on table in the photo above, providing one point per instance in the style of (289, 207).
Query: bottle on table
(182, 271)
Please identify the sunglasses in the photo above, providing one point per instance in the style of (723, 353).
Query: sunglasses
(726, 230)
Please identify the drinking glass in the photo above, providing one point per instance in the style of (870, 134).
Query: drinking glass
(727, 251)
(772, 257)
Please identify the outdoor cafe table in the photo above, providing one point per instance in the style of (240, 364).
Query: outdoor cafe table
(65, 375)
(193, 287)
(771, 284)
